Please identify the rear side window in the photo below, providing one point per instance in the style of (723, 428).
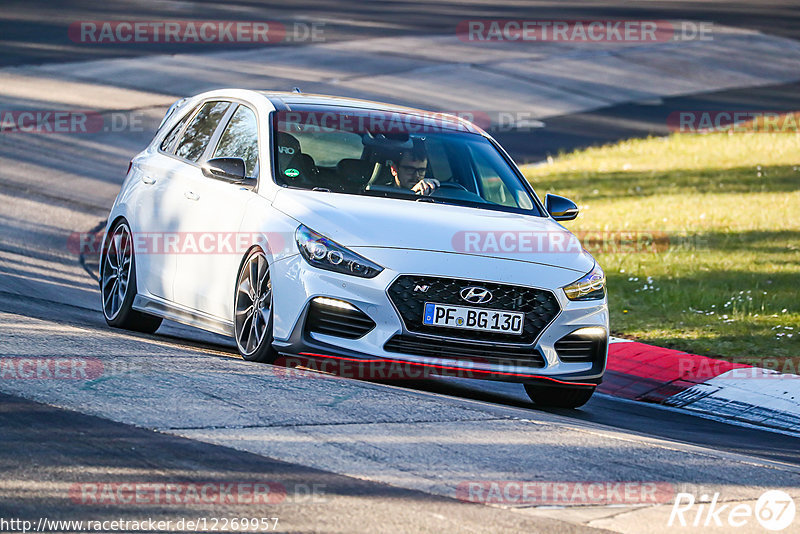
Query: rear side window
(195, 139)
(169, 140)
(240, 140)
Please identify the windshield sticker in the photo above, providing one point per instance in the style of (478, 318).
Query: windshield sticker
(292, 173)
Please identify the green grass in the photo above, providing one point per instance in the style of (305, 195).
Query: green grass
(727, 284)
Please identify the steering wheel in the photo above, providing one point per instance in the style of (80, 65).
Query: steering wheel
(455, 191)
(452, 185)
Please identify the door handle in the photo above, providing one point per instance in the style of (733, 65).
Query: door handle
(149, 180)
(191, 195)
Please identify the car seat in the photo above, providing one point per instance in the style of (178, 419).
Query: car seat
(294, 167)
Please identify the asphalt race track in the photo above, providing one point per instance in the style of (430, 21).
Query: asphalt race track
(35, 32)
(179, 406)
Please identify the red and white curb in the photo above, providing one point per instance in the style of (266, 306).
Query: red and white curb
(726, 390)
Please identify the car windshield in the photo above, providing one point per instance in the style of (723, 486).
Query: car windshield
(374, 154)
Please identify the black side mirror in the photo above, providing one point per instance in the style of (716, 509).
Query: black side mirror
(562, 209)
(225, 168)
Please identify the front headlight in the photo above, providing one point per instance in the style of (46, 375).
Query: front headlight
(321, 252)
(590, 287)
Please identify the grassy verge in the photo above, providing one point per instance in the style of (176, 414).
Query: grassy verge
(727, 283)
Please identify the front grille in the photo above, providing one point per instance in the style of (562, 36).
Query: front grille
(540, 306)
(339, 322)
(577, 347)
(465, 350)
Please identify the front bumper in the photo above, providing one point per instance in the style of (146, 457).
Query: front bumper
(296, 283)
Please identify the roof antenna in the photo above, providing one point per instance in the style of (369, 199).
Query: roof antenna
(296, 90)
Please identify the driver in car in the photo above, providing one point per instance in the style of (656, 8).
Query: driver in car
(409, 173)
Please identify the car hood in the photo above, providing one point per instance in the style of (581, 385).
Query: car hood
(373, 222)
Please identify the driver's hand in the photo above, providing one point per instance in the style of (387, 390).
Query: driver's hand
(426, 186)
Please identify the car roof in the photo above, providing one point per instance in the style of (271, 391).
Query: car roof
(305, 102)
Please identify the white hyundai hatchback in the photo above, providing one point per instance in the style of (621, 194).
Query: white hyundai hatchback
(310, 226)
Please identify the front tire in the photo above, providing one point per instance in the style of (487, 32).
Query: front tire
(559, 397)
(118, 283)
(253, 310)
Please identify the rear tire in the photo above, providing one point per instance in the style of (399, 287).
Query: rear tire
(118, 283)
(253, 312)
(559, 397)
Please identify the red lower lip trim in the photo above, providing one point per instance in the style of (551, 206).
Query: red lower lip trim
(383, 360)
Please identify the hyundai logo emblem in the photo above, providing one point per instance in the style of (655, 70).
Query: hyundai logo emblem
(476, 295)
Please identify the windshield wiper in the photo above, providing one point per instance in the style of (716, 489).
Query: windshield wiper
(452, 201)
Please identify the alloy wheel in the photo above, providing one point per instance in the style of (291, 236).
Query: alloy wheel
(253, 304)
(116, 272)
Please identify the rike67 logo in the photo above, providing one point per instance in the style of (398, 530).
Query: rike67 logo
(775, 510)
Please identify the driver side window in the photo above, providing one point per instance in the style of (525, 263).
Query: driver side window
(494, 189)
(240, 140)
(438, 163)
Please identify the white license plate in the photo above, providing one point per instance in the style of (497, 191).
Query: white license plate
(504, 322)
